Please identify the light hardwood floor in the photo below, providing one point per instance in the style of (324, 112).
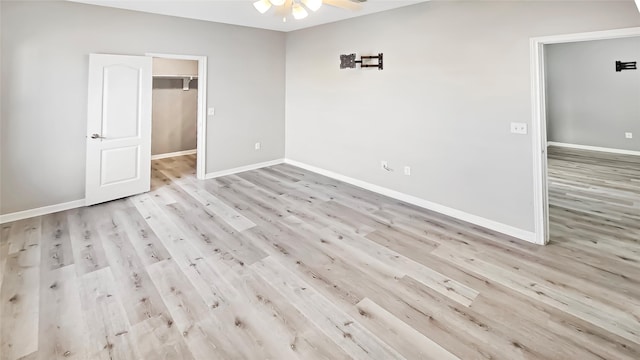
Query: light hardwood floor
(281, 263)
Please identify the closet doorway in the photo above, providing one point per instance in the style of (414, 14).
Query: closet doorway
(179, 108)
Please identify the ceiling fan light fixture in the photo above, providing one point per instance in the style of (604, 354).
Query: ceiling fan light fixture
(314, 5)
(298, 12)
(262, 6)
(277, 2)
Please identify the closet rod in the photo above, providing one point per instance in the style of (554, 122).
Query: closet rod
(186, 79)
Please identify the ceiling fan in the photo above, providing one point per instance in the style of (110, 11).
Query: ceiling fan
(298, 8)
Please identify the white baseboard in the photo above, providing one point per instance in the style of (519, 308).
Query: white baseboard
(474, 219)
(173, 154)
(41, 211)
(79, 203)
(243, 168)
(594, 148)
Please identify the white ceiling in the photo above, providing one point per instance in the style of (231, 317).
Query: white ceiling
(242, 12)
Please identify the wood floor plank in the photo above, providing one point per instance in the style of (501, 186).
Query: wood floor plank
(316, 269)
(23, 234)
(343, 329)
(155, 338)
(190, 260)
(323, 216)
(175, 191)
(497, 341)
(210, 234)
(267, 183)
(33, 356)
(281, 175)
(236, 336)
(88, 253)
(20, 293)
(556, 328)
(134, 288)
(203, 333)
(62, 330)
(260, 206)
(211, 202)
(570, 285)
(409, 342)
(283, 263)
(4, 249)
(434, 325)
(616, 321)
(301, 337)
(343, 279)
(445, 285)
(382, 262)
(56, 242)
(242, 192)
(109, 332)
(160, 187)
(220, 332)
(249, 331)
(181, 298)
(147, 245)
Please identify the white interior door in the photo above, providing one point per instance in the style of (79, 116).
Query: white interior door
(118, 127)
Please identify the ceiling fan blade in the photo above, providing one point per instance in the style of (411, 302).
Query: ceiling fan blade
(345, 4)
(284, 10)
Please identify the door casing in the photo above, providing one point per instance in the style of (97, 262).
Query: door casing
(201, 132)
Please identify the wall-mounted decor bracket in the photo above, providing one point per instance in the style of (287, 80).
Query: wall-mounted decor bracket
(349, 61)
(625, 66)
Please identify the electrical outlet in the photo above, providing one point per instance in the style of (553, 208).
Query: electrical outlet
(518, 128)
(407, 170)
(257, 146)
(628, 135)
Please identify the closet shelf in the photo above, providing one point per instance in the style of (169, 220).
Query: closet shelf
(176, 76)
(186, 79)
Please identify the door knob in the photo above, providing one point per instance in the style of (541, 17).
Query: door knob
(97, 136)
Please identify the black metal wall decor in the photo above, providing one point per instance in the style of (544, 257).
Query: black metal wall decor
(349, 61)
(625, 66)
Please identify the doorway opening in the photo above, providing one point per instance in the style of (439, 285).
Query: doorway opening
(179, 107)
(540, 117)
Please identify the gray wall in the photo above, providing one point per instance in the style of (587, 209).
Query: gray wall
(174, 113)
(456, 74)
(44, 55)
(588, 102)
(164, 66)
(174, 110)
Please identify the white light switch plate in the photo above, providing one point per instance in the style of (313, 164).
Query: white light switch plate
(628, 135)
(211, 111)
(518, 128)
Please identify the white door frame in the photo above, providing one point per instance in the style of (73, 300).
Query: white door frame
(539, 121)
(201, 147)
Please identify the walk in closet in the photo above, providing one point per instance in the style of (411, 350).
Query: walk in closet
(175, 102)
